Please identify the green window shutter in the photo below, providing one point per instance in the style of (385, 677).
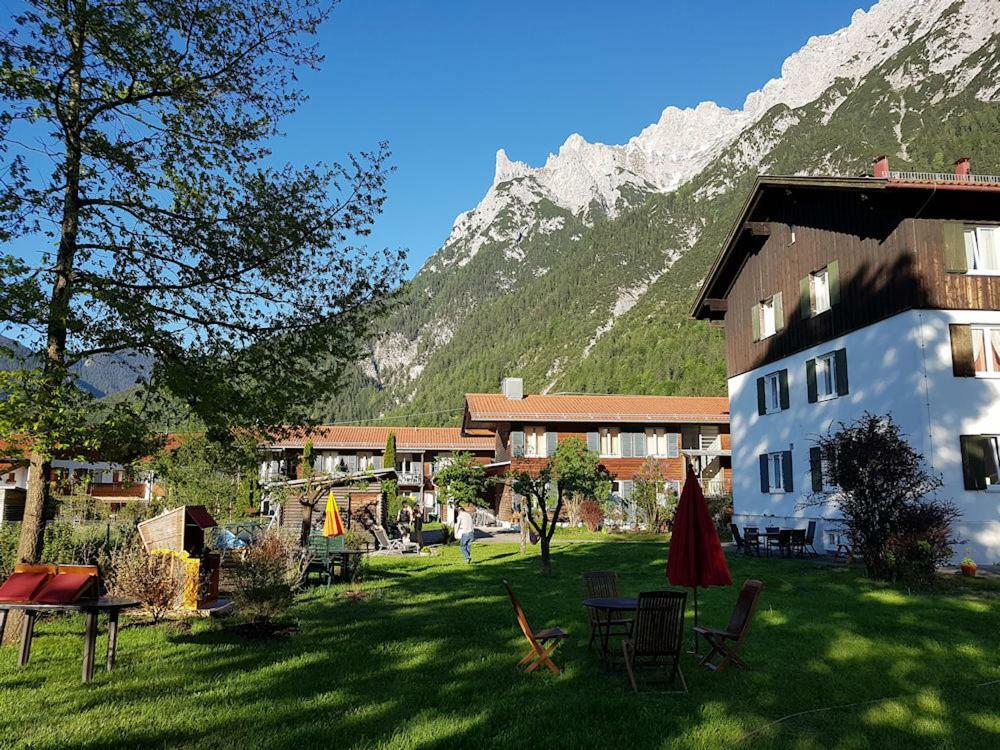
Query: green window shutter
(783, 400)
(552, 493)
(962, 363)
(761, 397)
(811, 381)
(765, 484)
(517, 443)
(627, 487)
(833, 279)
(954, 247)
(974, 448)
(816, 468)
(786, 466)
(840, 357)
(626, 443)
(673, 445)
(594, 442)
(755, 321)
(551, 441)
(639, 444)
(376, 462)
(779, 313)
(805, 298)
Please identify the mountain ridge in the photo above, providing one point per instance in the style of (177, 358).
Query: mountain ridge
(586, 286)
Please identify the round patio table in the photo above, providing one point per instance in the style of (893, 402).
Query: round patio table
(608, 607)
(90, 609)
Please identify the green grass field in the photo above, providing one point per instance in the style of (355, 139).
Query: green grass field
(427, 661)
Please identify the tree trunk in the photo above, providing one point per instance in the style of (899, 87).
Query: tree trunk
(546, 561)
(29, 545)
(54, 365)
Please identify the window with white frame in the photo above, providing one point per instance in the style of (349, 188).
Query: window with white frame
(534, 441)
(819, 287)
(826, 376)
(772, 393)
(986, 349)
(656, 442)
(982, 249)
(768, 319)
(610, 441)
(776, 472)
(366, 461)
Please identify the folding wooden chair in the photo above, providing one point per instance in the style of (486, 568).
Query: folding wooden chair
(657, 634)
(751, 541)
(543, 642)
(603, 584)
(726, 643)
(737, 539)
(811, 538)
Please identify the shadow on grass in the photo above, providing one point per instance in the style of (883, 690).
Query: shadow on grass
(428, 661)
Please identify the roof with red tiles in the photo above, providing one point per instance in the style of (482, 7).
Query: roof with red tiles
(407, 438)
(495, 407)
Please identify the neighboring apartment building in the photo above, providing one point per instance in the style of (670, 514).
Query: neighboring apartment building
(105, 482)
(420, 452)
(677, 430)
(842, 295)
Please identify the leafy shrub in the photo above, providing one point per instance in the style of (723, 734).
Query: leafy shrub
(923, 540)
(266, 579)
(154, 580)
(356, 539)
(591, 514)
(721, 509)
(881, 490)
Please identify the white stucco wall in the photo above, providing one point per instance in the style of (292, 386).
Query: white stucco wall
(901, 365)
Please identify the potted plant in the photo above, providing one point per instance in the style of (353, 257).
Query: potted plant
(968, 567)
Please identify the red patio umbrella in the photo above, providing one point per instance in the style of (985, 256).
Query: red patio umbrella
(696, 557)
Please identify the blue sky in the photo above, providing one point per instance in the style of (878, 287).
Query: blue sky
(448, 82)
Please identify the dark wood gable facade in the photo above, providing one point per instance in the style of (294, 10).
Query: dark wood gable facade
(879, 247)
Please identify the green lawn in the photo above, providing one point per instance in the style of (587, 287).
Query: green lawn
(428, 661)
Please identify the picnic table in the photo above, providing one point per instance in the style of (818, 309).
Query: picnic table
(90, 609)
(609, 606)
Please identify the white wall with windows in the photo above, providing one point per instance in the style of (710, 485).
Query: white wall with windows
(902, 365)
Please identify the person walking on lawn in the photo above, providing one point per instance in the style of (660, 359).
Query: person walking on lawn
(465, 532)
(403, 518)
(418, 524)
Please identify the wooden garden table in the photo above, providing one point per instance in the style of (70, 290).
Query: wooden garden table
(90, 609)
(609, 607)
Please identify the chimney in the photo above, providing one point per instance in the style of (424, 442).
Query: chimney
(513, 388)
(881, 168)
(963, 167)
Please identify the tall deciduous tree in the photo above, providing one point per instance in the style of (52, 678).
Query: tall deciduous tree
(573, 470)
(160, 227)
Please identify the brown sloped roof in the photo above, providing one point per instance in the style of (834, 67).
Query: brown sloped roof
(407, 438)
(494, 407)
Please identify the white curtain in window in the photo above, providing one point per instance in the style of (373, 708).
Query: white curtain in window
(978, 349)
(988, 242)
(995, 341)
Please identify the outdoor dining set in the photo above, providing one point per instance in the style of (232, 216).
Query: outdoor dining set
(774, 539)
(650, 627)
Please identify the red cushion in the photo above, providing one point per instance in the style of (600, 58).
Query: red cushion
(64, 588)
(20, 587)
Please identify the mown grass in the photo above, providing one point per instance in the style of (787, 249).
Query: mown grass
(427, 661)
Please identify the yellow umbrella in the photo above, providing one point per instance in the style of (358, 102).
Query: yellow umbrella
(333, 525)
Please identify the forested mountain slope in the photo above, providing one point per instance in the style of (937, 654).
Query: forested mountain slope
(579, 275)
